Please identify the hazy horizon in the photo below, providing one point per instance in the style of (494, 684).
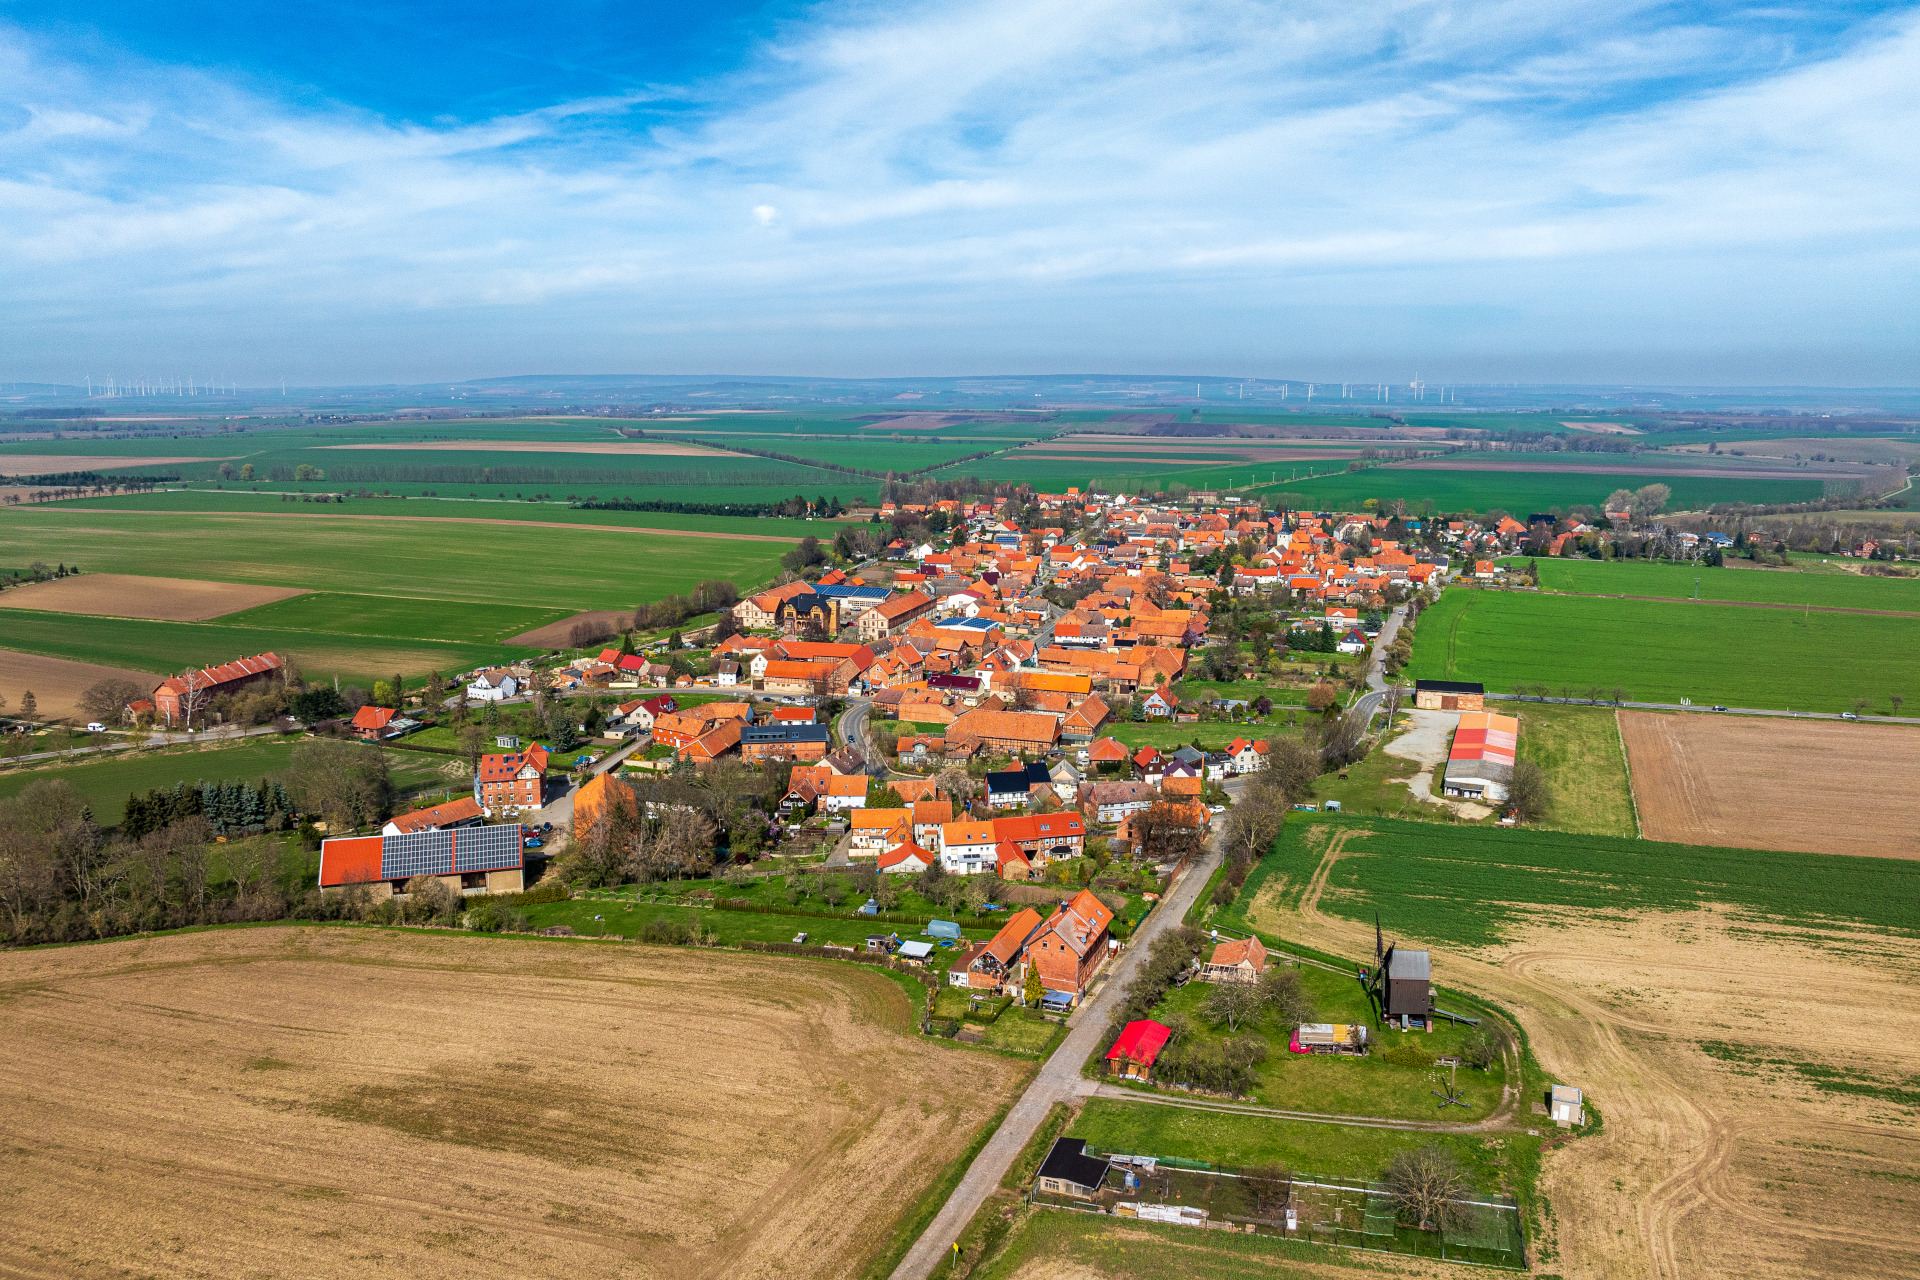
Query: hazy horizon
(1566, 193)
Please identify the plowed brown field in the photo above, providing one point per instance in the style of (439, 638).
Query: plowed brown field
(342, 1102)
(126, 595)
(56, 683)
(1763, 782)
(1755, 1083)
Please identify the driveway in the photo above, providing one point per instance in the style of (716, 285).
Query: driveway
(1427, 744)
(1059, 1080)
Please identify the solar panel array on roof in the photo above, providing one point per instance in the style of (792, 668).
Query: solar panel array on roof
(488, 848)
(442, 853)
(417, 853)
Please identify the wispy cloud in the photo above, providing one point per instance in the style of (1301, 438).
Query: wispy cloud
(962, 174)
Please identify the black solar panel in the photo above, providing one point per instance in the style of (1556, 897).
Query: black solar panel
(442, 853)
(488, 848)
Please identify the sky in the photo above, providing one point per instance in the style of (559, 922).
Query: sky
(1593, 191)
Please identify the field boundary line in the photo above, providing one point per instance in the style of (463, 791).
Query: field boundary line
(1739, 604)
(1626, 762)
(356, 515)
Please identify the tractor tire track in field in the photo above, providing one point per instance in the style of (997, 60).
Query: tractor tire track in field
(1739, 604)
(1658, 1124)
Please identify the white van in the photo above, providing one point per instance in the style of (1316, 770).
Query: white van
(94, 726)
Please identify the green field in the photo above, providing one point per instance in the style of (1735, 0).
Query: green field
(1469, 886)
(545, 568)
(1524, 491)
(397, 617)
(168, 647)
(244, 498)
(1771, 586)
(1661, 652)
(1586, 766)
(106, 783)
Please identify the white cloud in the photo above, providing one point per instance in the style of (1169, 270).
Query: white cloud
(1006, 163)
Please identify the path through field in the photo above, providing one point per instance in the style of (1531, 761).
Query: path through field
(1735, 1065)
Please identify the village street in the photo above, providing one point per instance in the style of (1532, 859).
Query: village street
(1059, 1079)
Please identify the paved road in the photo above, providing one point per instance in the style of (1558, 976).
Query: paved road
(1376, 664)
(1738, 711)
(1059, 1080)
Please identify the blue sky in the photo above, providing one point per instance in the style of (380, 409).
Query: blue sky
(1538, 191)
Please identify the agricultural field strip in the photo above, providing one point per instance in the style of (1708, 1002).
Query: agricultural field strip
(1467, 886)
(235, 621)
(1643, 580)
(1667, 650)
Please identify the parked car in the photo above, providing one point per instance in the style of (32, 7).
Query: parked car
(94, 726)
(1717, 707)
(1848, 715)
(546, 826)
(532, 842)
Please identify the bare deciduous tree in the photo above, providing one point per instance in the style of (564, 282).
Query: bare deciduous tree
(1425, 1183)
(1233, 1003)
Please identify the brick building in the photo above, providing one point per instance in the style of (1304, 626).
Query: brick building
(505, 784)
(178, 699)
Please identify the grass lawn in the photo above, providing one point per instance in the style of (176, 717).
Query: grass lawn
(105, 784)
(1211, 736)
(1661, 652)
(1579, 747)
(627, 916)
(1019, 1031)
(1096, 1247)
(1369, 1086)
(1224, 1139)
(1803, 585)
(546, 568)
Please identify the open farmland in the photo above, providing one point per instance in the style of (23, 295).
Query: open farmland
(261, 500)
(120, 595)
(1661, 651)
(56, 683)
(105, 782)
(354, 1102)
(166, 648)
(1817, 785)
(448, 560)
(1523, 491)
(1760, 586)
(1693, 993)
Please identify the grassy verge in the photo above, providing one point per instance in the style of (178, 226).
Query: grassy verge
(1579, 747)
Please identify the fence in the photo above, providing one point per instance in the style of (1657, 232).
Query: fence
(1344, 1213)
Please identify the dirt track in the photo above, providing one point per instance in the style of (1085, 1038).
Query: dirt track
(125, 595)
(1823, 786)
(1707, 1165)
(345, 1102)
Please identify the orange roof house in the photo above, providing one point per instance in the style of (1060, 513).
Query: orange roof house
(593, 800)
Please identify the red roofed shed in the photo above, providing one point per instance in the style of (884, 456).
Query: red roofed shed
(1133, 1054)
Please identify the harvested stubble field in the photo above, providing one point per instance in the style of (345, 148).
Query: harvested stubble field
(343, 1102)
(1817, 785)
(56, 683)
(1756, 1075)
(125, 595)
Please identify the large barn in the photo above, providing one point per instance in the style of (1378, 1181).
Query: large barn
(465, 859)
(1481, 764)
(1448, 695)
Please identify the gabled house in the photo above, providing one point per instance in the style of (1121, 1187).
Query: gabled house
(842, 791)
(966, 848)
(1072, 944)
(507, 783)
(905, 859)
(1011, 788)
(493, 686)
(996, 965)
(1243, 961)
